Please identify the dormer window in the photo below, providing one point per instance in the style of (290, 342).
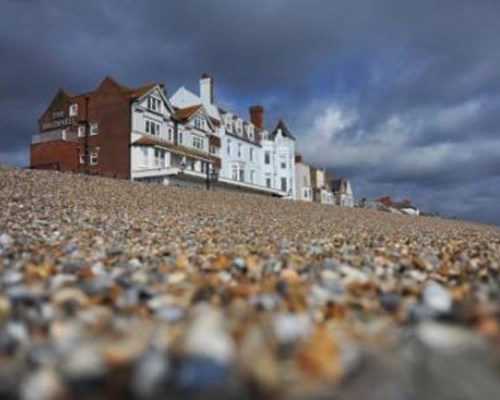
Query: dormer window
(154, 104)
(73, 110)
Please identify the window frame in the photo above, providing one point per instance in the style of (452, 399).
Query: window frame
(94, 158)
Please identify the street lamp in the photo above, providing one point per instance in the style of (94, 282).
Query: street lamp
(212, 175)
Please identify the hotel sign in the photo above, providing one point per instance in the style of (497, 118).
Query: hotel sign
(60, 123)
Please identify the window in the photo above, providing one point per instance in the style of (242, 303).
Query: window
(82, 158)
(93, 158)
(73, 110)
(306, 193)
(283, 162)
(242, 175)
(154, 104)
(199, 123)
(252, 176)
(228, 147)
(197, 142)
(180, 137)
(213, 150)
(305, 181)
(239, 150)
(81, 131)
(144, 156)
(251, 154)
(159, 158)
(153, 128)
(268, 182)
(234, 172)
(94, 129)
(170, 134)
(283, 184)
(267, 158)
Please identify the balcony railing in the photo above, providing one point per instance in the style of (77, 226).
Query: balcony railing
(54, 135)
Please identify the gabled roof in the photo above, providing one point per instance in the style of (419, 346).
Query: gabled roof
(143, 90)
(340, 185)
(184, 114)
(284, 131)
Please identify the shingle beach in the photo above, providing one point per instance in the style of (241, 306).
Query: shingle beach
(114, 289)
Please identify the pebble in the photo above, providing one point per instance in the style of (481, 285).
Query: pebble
(207, 338)
(289, 328)
(104, 296)
(437, 298)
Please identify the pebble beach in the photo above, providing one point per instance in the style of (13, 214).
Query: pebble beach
(114, 289)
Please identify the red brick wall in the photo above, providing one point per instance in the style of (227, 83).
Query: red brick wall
(58, 155)
(109, 106)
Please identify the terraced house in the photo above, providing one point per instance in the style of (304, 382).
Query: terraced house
(251, 155)
(185, 140)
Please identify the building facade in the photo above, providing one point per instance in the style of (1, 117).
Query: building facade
(185, 140)
(303, 188)
(342, 192)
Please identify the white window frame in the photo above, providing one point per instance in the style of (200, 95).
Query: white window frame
(267, 158)
(198, 142)
(286, 184)
(73, 110)
(94, 158)
(234, 172)
(283, 162)
(94, 128)
(81, 131)
(82, 158)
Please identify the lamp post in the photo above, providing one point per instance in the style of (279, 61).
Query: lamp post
(212, 176)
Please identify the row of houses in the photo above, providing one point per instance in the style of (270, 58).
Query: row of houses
(186, 139)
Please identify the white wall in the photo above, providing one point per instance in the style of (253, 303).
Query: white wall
(303, 190)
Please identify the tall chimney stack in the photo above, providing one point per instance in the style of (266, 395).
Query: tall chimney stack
(207, 88)
(257, 116)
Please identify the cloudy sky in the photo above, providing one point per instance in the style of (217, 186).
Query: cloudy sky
(402, 96)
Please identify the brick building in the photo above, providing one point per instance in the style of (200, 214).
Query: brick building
(126, 133)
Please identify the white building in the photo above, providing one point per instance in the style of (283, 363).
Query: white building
(241, 150)
(342, 191)
(279, 159)
(321, 190)
(168, 145)
(303, 188)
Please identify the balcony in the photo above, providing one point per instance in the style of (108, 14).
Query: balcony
(52, 136)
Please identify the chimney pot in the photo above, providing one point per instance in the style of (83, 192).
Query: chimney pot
(257, 116)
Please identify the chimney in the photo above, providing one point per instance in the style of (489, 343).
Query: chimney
(257, 116)
(207, 89)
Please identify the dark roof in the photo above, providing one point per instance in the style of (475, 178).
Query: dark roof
(339, 185)
(284, 130)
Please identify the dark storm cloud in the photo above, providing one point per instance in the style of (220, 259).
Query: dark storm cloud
(432, 66)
